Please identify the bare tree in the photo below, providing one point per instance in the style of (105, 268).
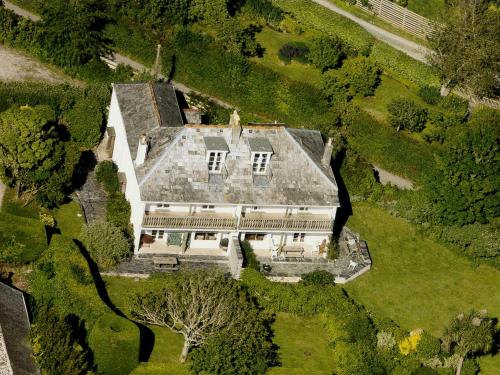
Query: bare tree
(196, 305)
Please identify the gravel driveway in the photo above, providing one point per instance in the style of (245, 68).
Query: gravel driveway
(15, 66)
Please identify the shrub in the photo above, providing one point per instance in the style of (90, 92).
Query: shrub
(265, 9)
(60, 344)
(385, 341)
(118, 210)
(84, 121)
(318, 278)
(455, 104)
(250, 260)
(359, 328)
(116, 343)
(11, 251)
(80, 274)
(358, 76)
(326, 52)
(428, 346)
(106, 243)
(107, 175)
(409, 344)
(406, 114)
(430, 94)
(293, 51)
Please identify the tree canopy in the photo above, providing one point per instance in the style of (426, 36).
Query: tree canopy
(466, 46)
(30, 149)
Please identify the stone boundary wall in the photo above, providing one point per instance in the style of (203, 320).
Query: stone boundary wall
(235, 257)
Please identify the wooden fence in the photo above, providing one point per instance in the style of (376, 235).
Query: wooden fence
(398, 16)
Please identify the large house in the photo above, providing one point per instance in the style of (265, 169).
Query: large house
(196, 189)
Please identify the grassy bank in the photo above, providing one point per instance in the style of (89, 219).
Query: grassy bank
(417, 282)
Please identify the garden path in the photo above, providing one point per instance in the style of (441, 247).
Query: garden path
(2, 193)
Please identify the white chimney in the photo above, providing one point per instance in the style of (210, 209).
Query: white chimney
(327, 153)
(234, 124)
(142, 150)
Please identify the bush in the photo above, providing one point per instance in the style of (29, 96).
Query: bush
(293, 51)
(106, 243)
(118, 210)
(84, 121)
(107, 175)
(430, 94)
(60, 344)
(455, 104)
(326, 52)
(428, 346)
(406, 114)
(318, 278)
(358, 76)
(249, 258)
(116, 343)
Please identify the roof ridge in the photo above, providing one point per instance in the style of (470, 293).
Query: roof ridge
(155, 103)
(322, 172)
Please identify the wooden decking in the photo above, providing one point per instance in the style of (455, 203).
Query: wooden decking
(193, 221)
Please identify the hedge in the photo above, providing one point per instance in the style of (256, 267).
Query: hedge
(115, 342)
(295, 371)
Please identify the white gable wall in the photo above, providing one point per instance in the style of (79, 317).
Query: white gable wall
(123, 159)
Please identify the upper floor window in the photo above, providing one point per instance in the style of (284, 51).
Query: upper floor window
(303, 209)
(162, 205)
(216, 153)
(260, 162)
(208, 207)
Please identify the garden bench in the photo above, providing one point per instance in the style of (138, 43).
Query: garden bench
(166, 263)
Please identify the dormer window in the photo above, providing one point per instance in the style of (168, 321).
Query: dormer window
(260, 161)
(261, 151)
(216, 153)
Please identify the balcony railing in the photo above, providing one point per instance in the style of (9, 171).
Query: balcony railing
(188, 222)
(298, 223)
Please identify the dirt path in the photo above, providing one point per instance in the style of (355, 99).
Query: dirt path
(16, 66)
(386, 177)
(2, 193)
(412, 49)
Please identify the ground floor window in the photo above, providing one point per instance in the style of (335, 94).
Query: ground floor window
(158, 234)
(254, 236)
(299, 237)
(205, 236)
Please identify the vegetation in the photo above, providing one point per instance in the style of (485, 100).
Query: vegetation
(468, 47)
(293, 51)
(406, 114)
(209, 309)
(59, 344)
(106, 243)
(326, 52)
(107, 174)
(118, 341)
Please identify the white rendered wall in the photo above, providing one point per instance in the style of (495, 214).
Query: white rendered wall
(204, 244)
(123, 159)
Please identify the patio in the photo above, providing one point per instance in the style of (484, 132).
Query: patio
(162, 248)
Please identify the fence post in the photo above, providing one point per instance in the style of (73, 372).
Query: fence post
(405, 11)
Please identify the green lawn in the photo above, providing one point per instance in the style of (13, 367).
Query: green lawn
(272, 41)
(426, 8)
(303, 342)
(417, 282)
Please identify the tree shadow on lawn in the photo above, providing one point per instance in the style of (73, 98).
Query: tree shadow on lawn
(147, 337)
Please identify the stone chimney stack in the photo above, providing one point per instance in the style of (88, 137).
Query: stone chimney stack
(327, 153)
(234, 124)
(142, 150)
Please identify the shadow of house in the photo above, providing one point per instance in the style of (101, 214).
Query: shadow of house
(15, 350)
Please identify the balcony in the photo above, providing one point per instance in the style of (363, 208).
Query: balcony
(202, 220)
(309, 223)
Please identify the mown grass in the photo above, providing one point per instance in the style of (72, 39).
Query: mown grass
(427, 8)
(303, 342)
(272, 41)
(417, 282)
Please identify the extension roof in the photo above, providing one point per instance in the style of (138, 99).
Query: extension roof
(15, 349)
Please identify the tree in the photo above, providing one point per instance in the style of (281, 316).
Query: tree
(469, 334)
(198, 305)
(107, 175)
(466, 188)
(406, 114)
(72, 32)
(326, 52)
(85, 122)
(106, 243)
(466, 47)
(60, 344)
(29, 147)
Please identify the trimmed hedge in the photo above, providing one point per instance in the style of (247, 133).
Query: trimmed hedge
(116, 344)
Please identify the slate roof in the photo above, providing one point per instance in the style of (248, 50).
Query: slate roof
(147, 108)
(15, 328)
(176, 170)
(180, 172)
